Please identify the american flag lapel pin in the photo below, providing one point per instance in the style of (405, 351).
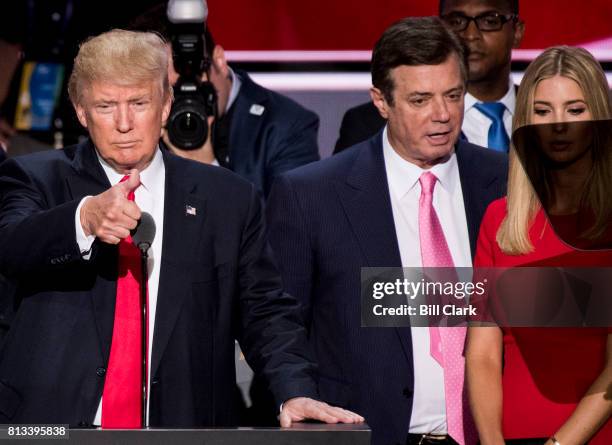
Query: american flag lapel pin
(190, 210)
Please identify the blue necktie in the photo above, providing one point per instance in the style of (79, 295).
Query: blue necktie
(498, 139)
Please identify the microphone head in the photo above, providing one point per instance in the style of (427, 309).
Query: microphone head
(144, 233)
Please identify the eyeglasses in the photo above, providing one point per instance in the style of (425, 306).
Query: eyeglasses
(489, 21)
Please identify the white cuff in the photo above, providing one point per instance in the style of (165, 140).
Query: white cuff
(85, 242)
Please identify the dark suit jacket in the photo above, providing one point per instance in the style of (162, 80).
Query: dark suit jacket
(282, 137)
(218, 281)
(326, 221)
(358, 124)
(6, 292)
(7, 310)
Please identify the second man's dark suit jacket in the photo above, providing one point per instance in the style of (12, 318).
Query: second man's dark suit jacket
(218, 281)
(328, 220)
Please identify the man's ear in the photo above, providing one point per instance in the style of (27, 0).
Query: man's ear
(378, 98)
(81, 114)
(166, 107)
(519, 31)
(219, 62)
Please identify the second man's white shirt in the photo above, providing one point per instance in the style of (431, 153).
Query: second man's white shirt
(428, 407)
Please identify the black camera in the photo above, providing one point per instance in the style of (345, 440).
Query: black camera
(194, 100)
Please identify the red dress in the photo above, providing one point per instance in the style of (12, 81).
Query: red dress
(546, 370)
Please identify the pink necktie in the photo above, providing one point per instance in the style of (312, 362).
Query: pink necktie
(446, 345)
(122, 396)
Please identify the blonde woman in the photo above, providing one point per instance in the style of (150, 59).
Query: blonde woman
(553, 385)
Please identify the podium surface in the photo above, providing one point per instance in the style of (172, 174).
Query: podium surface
(299, 434)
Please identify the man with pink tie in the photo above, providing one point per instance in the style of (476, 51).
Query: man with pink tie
(411, 196)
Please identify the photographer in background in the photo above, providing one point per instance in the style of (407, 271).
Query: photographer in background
(259, 133)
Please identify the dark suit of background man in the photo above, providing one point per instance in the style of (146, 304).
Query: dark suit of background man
(63, 214)
(489, 40)
(260, 133)
(360, 209)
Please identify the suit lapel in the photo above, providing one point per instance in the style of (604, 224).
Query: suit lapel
(365, 199)
(246, 120)
(89, 179)
(367, 204)
(184, 215)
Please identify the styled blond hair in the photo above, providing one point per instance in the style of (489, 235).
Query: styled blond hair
(523, 203)
(120, 57)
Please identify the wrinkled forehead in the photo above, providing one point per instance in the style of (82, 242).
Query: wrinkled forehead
(121, 87)
(428, 79)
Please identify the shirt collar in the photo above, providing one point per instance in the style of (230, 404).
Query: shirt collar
(149, 177)
(404, 175)
(236, 84)
(509, 99)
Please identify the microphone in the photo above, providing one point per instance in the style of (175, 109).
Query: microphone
(144, 233)
(142, 237)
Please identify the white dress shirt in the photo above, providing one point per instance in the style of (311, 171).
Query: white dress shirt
(428, 407)
(236, 84)
(149, 197)
(476, 125)
(234, 90)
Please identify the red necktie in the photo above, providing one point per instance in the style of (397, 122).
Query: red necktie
(122, 396)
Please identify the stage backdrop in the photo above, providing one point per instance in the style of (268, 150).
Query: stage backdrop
(342, 25)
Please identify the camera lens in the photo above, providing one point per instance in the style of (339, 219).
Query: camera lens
(187, 124)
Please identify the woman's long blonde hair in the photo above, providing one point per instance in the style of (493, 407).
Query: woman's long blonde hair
(523, 203)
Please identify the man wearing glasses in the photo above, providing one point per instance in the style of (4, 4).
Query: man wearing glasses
(490, 29)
